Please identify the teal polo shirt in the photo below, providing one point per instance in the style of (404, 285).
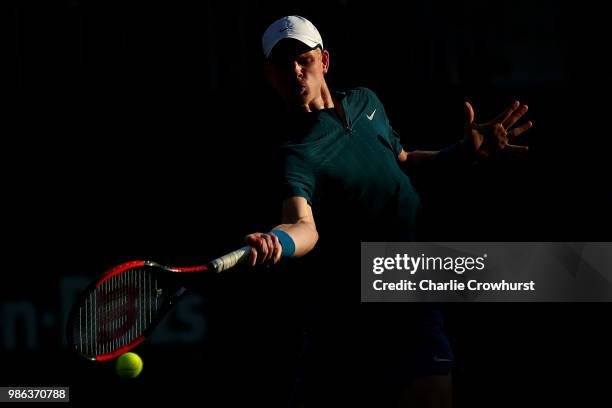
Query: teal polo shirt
(348, 171)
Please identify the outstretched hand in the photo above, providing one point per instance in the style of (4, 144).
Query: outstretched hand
(491, 137)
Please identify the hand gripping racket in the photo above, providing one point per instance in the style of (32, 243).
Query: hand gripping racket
(121, 308)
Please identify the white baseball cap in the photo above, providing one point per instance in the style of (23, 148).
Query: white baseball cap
(295, 27)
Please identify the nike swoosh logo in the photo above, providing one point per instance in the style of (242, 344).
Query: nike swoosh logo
(371, 115)
(284, 29)
(440, 360)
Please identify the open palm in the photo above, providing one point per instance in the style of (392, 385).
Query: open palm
(488, 138)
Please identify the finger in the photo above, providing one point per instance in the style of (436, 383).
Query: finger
(500, 136)
(262, 248)
(252, 257)
(251, 239)
(278, 250)
(517, 148)
(502, 117)
(519, 130)
(270, 246)
(470, 114)
(512, 119)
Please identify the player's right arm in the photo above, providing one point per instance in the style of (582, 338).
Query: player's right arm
(299, 226)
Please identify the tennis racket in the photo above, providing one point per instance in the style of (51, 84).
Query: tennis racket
(121, 308)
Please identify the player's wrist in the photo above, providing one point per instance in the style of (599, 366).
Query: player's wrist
(457, 153)
(286, 242)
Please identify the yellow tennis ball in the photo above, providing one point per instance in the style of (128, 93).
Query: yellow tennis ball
(128, 365)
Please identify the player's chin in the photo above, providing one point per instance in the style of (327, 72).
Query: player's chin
(300, 99)
(298, 92)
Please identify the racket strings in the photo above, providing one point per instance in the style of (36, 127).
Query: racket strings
(117, 312)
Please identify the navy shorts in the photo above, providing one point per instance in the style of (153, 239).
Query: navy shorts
(368, 357)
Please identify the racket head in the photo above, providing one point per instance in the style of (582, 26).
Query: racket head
(117, 311)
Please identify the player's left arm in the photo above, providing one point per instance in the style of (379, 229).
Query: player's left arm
(416, 157)
(480, 140)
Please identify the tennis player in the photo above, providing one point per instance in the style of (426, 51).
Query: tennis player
(343, 183)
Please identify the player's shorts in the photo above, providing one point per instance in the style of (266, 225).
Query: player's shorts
(367, 361)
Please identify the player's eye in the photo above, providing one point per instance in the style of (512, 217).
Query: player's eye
(305, 61)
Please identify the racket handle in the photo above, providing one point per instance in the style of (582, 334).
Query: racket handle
(230, 260)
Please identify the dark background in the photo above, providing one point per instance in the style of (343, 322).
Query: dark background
(139, 130)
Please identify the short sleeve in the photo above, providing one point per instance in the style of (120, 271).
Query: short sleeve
(395, 141)
(298, 177)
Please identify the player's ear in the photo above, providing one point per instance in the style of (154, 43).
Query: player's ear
(325, 60)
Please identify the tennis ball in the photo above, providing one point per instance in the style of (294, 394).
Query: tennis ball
(128, 365)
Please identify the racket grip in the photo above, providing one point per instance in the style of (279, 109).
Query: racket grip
(230, 260)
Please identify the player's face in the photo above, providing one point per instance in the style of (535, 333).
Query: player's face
(298, 77)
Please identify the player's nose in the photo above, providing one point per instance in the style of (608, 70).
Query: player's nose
(297, 69)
